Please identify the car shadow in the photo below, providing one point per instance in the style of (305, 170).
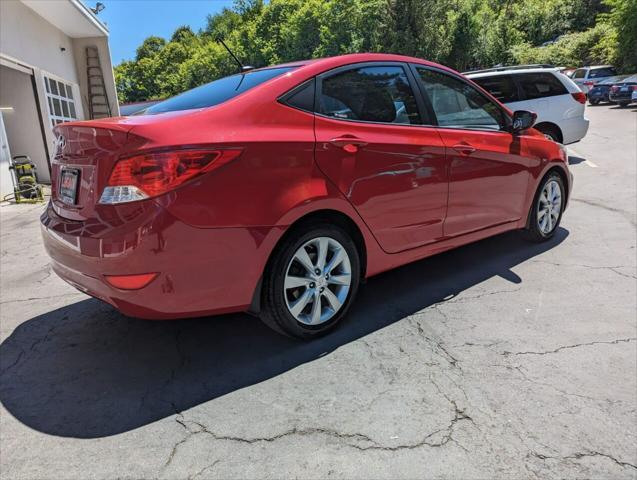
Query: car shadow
(574, 160)
(86, 371)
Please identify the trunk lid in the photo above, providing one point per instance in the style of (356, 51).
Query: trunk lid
(85, 153)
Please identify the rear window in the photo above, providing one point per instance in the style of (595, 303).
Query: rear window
(217, 92)
(540, 85)
(581, 73)
(501, 87)
(602, 72)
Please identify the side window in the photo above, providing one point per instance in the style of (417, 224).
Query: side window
(501, 87)
(458, 104)
(580, 73)
(540, 85)
(302, 97)
(602, 72)
(371, 94)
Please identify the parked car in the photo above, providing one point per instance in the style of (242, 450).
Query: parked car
(277, 191)
(600, 90)
(586, 77)
(633, 97)
(621, 93)
(568, 71)
(557, 101)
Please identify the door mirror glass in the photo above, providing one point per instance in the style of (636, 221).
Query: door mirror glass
(522, 120)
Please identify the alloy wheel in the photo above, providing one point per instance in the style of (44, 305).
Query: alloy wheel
(549, 206)
(317, 281)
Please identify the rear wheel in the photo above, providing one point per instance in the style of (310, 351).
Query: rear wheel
(311, 281)
(593, 102)
(547, 208)
(623, 104)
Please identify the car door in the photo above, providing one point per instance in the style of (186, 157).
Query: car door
(489, 173)
(372, 141)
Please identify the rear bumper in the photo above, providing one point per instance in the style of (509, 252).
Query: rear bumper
(621, 97)
(574, 129)
(201, 271)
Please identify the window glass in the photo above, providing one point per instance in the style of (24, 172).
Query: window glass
(302, 97)
(56, 107)
(60, 99)
(458, 104)
(501, 87)
(581, 73)
(217, 92)
(539, 85)
(602, 72)
(371, 94)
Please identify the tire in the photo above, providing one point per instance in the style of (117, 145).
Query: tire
(623, 104)
(538, 229)
(287, 282)
(593, 102)
(551, 132)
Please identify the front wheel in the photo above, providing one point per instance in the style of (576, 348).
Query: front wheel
(623, 104)
(593, 102)
(311, 281)
(546, 211)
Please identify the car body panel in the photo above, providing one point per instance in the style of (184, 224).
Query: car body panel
(211, 238)
(397, 181)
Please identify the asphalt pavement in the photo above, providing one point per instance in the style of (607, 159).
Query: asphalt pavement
(502, 359)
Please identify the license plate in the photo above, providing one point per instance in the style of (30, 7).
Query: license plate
(624, 89)
(68, 185)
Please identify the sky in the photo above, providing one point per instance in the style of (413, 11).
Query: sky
(131, 21)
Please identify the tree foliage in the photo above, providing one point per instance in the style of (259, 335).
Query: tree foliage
(463, 34)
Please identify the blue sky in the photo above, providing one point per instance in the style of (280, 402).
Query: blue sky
(131, 21)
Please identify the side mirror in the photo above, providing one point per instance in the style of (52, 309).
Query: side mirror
(522, 120)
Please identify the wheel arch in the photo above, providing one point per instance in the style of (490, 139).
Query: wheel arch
(550, 126)
(335, 217)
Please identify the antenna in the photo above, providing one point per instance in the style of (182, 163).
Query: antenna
(242, 68)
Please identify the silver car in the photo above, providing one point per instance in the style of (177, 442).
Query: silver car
(586, 77)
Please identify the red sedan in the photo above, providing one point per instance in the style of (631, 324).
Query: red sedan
(276, 191)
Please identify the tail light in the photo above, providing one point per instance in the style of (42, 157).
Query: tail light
(634, 88)
(614, 88)
(589, 84)
(579, 96)
(151, 174)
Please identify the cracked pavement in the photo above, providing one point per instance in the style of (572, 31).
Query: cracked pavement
(502, 359)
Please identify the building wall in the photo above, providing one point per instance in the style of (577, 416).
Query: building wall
(31, 39)
(22, 125)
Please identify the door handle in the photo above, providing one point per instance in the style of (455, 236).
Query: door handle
(464, 148)
(347, 143)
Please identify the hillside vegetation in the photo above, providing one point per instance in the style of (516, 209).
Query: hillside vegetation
(463, 34)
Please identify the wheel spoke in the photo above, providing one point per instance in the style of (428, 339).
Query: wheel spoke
(316, 309)
(323, 245)
(292, 281)
(297, 307)
(343, 279)
(336, 260)
(550, 223)
(543, 198)
(304, 259)
(541, 214)
(333, 300)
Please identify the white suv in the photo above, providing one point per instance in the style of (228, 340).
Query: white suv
(555, 98)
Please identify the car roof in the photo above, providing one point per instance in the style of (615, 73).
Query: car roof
(595, 67)
(327, 63)
(511, 72)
